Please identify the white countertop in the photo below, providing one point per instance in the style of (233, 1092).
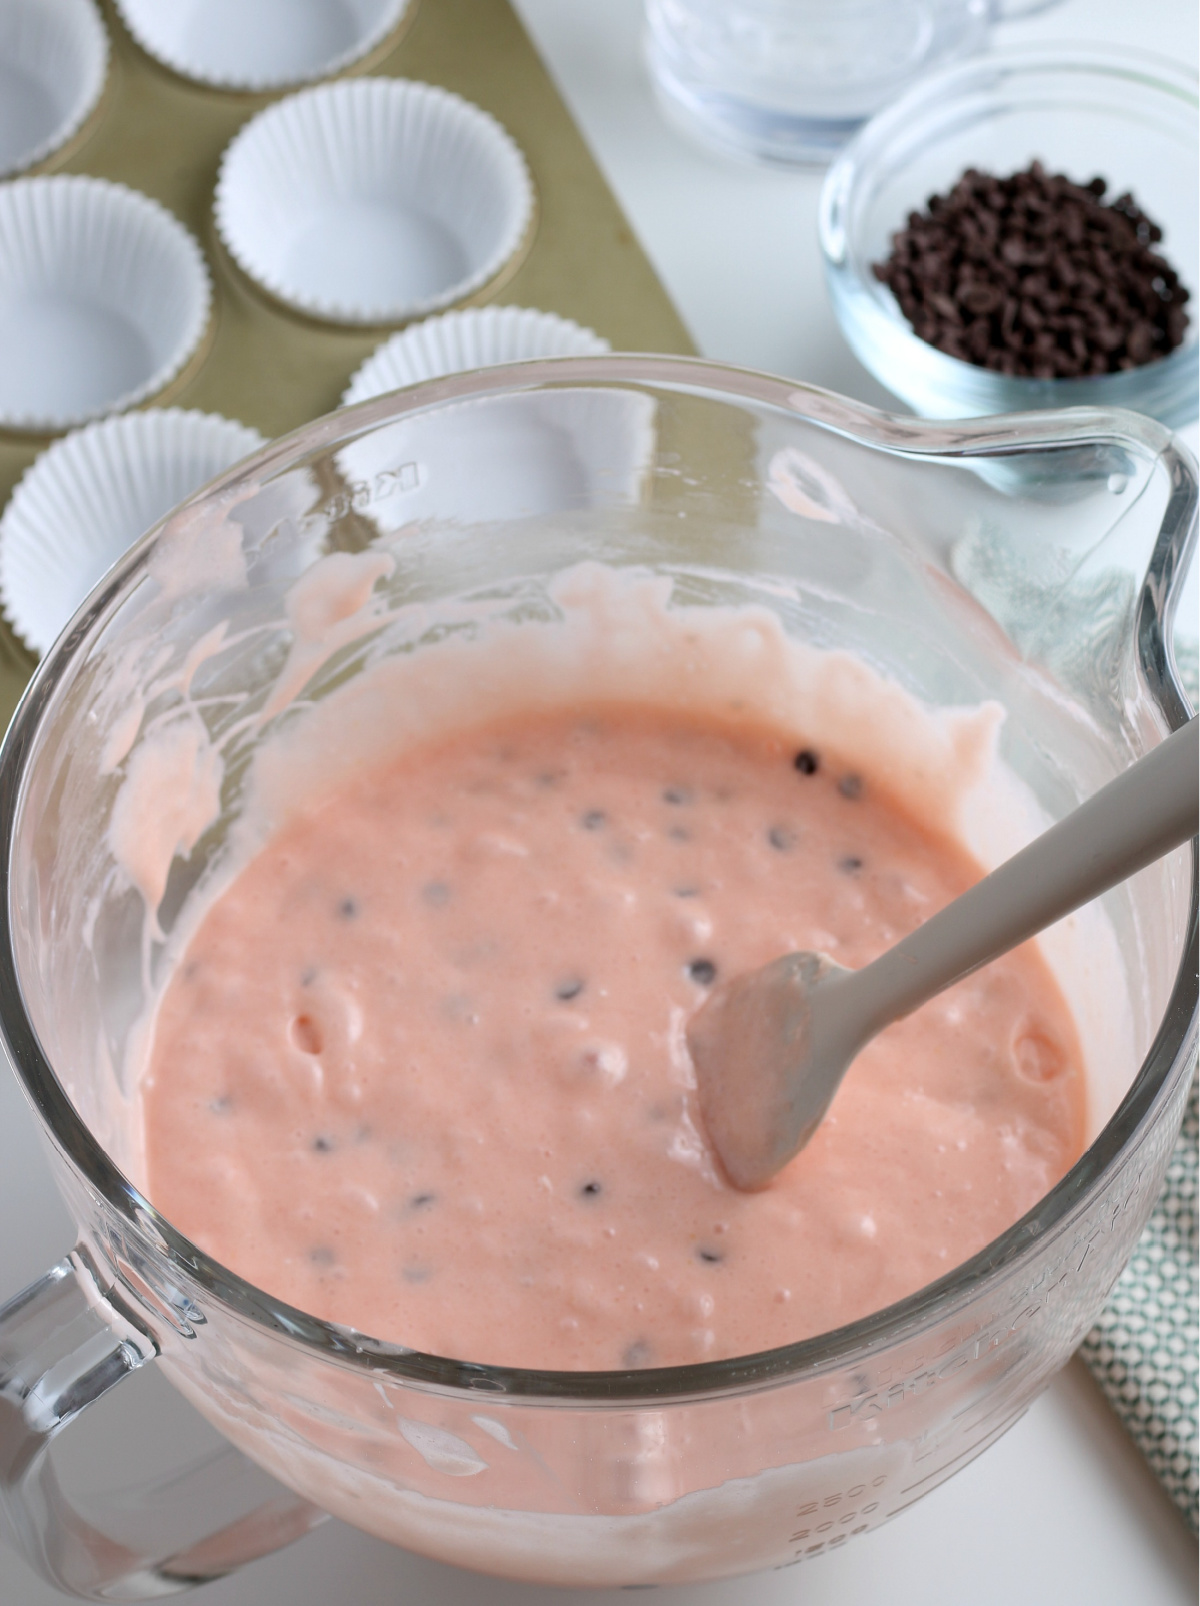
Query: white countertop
(1062, 1511)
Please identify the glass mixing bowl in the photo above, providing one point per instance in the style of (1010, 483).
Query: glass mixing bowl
(1081, 109)
(979, 560)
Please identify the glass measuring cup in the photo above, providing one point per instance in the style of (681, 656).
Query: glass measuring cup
(790, 81)
(1002, 559)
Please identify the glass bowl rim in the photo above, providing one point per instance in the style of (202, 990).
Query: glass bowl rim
(856, 296)
(1153, 1086)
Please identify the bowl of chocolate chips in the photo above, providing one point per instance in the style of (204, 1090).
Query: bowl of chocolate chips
(1020, 231)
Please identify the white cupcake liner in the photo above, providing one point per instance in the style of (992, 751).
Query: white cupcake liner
(477, 337)
(88, 497)
(525, 455)
(372, 201)
(53, 62)
(259, 44)
(103, 298)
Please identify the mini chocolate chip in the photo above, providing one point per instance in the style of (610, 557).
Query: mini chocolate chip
(422, 1201)
(323, 1145)
(416, 1274)
(591, 1190)
(306, 1035)
(782, 838)
(806, 761)
(221, 1105)
(460, 1007)
(851, 864)
(322, 1255)
(636, 1354)
(710, 1257)
(571, 988)
(851, 786)
(702, 971)
(687, 892)
(348, 909)
(678, 796)
(436, 894)
(594, 819)
(679, 833)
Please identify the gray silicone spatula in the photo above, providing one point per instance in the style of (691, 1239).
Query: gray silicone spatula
(771, 1047)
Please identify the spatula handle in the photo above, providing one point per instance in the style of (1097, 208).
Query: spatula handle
(1145, 812)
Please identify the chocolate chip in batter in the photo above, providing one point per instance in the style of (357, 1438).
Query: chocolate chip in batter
(570, 988)
(782, 838)
(702, 971)
(416, 1274)
(221, 1105)
(460, 1007)
(436, 894)
(851, 786)
(679, 833)
(323, 1145)
(348, 909)
(710, 1256)
(422, 1201)
(850, 864)
(686, 892)
(306, 1035)
(591, 1191)
(322, 1255)
(678, 796)
(637, 1354)
(594, 820)
(806, 761)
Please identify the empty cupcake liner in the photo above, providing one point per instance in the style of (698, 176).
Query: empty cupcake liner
(372, 201)
(522, 455)
(103, 297)
(53, 62)
(477, 337)
(259, 44)
(88, 497)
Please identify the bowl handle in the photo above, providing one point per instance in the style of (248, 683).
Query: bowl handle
(64, 1343)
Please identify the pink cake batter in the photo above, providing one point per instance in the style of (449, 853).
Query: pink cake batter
(423, 1069)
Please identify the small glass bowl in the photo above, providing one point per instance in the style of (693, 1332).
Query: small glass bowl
(1125, 115)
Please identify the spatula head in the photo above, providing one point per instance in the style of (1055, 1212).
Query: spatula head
(761, 1095)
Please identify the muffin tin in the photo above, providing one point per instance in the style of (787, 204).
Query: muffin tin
(275, 366)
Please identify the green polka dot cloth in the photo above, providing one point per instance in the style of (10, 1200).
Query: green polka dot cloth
(1143, 1350)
